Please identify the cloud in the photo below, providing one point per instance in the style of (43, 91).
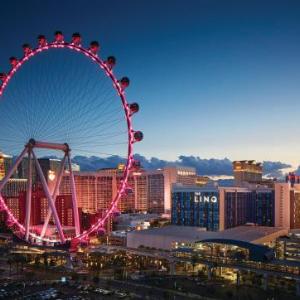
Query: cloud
(297, 171)
(275, 169)
(210, 167)
(94, 163)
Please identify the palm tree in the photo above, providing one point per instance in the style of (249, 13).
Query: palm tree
(22, 260)
(194, 261)
(10, 262)
(45, 258)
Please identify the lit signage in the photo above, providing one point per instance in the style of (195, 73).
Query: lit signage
(198, 197)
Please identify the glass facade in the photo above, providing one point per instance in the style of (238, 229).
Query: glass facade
(238, 208)
(192, 206)
(265, 208)
(156, 192)
(254, 206)
(196, 208)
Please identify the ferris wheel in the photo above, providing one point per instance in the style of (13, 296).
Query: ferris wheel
(60, 100)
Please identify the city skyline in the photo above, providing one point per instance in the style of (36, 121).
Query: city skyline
(205, 69)
(148, 149)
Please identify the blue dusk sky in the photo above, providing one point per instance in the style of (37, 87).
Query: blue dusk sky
(214, 79)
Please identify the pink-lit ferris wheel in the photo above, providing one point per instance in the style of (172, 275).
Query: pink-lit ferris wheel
(61, 99)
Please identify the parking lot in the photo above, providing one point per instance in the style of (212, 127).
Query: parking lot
(58, 290)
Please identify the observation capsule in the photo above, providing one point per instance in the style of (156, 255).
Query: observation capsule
(138, 136)
(58, 37)
(110, 62)
(3, 76)
(76, 39)
(94, 47)
(134, 108)
(13, 61)
(26, 49)
(42, 40)
(124, 82)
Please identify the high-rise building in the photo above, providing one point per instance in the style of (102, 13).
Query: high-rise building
(160, 186)
(64, 209)
(292, 178)
(14, 187)
(239, 206)
(96, 190)
(5, 164)
(156, 192)
(180, 175)
(195, 206)
(287, 205)
(147, 190)
(10, 194)
(222, 208)
(247, 171)
(49, 166)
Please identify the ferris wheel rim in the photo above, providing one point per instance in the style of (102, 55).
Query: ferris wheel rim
(131, 137)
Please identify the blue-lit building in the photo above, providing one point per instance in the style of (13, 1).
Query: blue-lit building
(239, 206)
(222, 208)
(194, 206)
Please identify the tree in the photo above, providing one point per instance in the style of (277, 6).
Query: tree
(22, 260)
(194, 260)
(10, 262)
(45, 258)
(74, 276)
(229, 294)
(96, 279)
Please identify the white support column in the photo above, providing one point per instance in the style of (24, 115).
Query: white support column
(74, 197)
(28, 196)
(49, 197)
(54, 195)
(13, 169)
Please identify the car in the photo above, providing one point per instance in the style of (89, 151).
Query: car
(103, 291)
(83, 292)
(120, 294)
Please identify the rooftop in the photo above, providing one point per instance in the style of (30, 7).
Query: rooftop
(253, 234)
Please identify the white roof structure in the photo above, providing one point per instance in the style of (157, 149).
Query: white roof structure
(165, 237)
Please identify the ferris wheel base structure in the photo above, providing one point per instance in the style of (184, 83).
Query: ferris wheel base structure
(50, 195)
(23, 231)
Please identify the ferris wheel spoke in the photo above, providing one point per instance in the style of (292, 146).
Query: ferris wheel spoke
(102, 136)
(82, 150)
(99, 127)
(109, 124)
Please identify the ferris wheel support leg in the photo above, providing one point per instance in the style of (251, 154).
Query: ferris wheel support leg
(49, 197)
(13, 168)
(74, 197)
(28, 196)
(54, 195)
